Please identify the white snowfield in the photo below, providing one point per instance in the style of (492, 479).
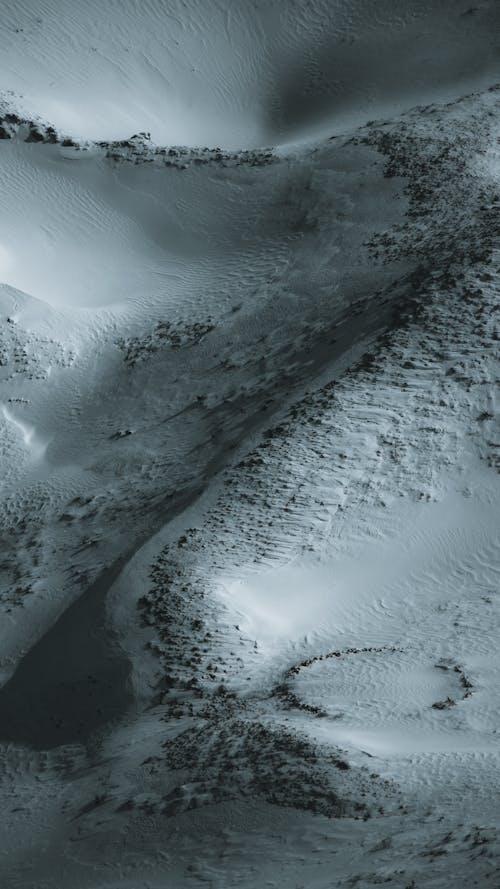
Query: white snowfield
(249, 444)
(242, 73)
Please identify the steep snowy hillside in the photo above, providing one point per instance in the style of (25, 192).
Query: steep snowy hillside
(249, 368)
(240, 73)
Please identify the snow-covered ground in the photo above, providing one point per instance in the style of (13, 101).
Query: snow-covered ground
(239, 74)
(250, 457)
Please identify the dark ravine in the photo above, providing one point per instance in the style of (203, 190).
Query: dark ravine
(74, 681)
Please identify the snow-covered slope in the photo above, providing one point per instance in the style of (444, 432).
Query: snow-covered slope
(240, 73)
(249, 445)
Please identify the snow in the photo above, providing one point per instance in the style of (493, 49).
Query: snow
(249, 444)
(240, 74)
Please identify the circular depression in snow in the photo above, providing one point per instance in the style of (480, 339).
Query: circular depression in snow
(375, 688)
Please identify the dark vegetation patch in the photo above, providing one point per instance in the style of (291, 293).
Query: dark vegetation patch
(238, 758)
(164, 334)
(452, 217)
(465, 684)
(138, 149)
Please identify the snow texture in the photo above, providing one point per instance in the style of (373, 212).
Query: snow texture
(249, 369)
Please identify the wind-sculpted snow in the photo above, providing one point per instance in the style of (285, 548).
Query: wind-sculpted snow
(240, 74)
(250, 445)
